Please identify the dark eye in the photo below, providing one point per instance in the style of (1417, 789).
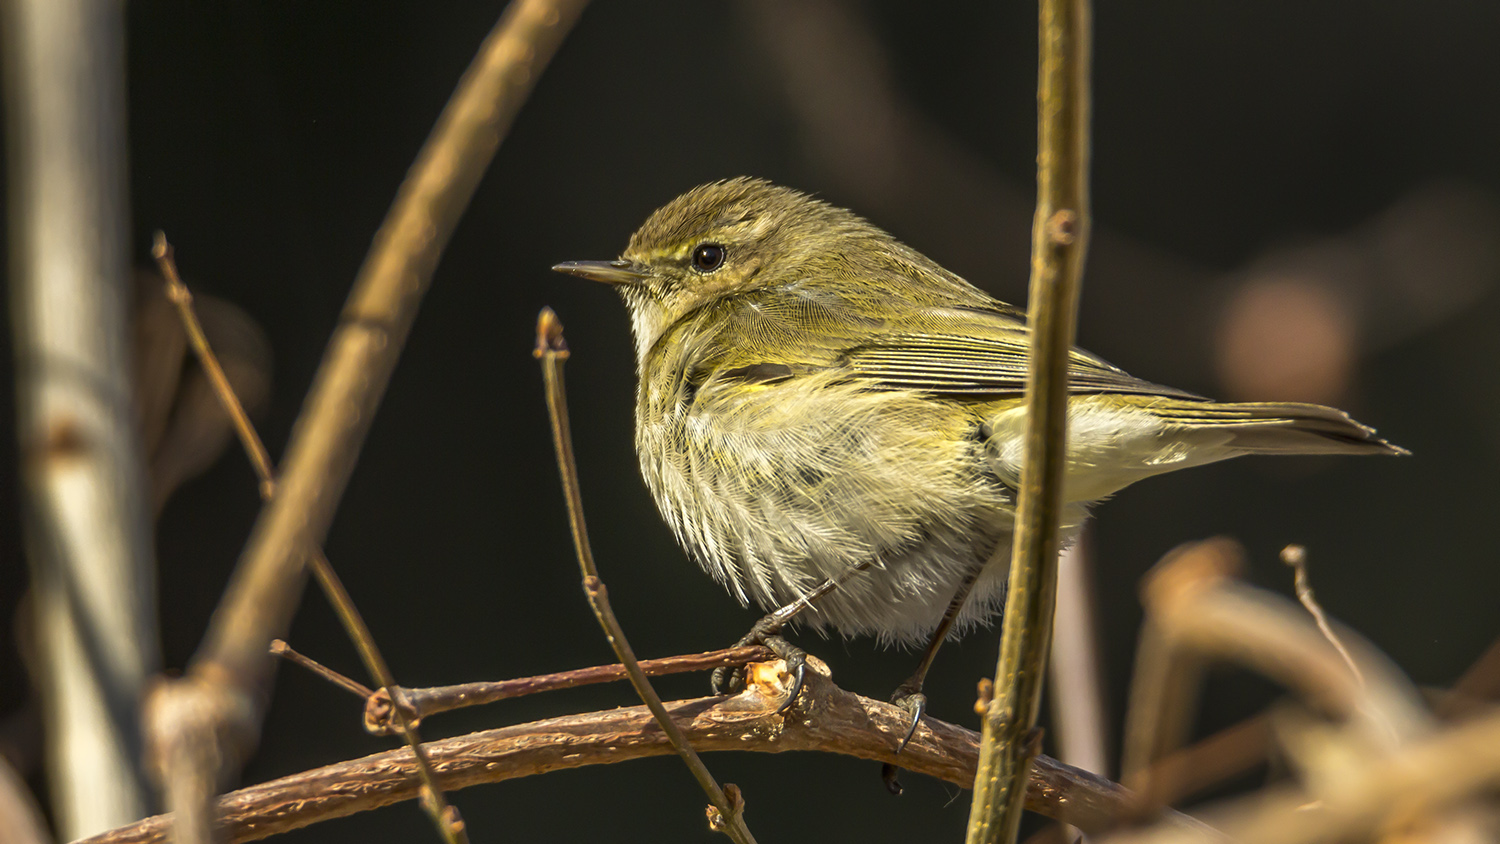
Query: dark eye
(708, 257)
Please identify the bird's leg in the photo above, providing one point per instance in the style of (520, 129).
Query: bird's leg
(909, 695)
(767, 632)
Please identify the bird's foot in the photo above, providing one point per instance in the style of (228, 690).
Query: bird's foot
(728, 681)
(909, 697)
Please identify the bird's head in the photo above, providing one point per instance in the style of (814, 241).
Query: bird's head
(721, 239)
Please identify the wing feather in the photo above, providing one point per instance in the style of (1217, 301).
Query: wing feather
(978, 353)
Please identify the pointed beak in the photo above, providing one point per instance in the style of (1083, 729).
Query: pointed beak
(609, 272)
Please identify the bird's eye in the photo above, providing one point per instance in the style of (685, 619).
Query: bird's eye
(708, 257)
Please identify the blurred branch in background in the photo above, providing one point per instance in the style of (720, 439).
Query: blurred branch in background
(1080, 728)
(1295, 321)
(86, 511)
(202, 725)
(21, 819)
(1367, 752)
(1303, 312)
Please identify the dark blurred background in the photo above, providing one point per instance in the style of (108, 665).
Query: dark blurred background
(1293, 200)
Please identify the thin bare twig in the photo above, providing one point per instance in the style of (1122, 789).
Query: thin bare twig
(180, 296)
(286, 652)
(421, 703)
(202, 724)
(1296, 557)
(447, 819)
(1059, 245)
(552, 351)
(827, 719)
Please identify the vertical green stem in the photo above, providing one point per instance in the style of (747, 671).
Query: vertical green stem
(1059, 245)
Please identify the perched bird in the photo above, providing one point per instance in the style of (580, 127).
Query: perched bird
(832, 423)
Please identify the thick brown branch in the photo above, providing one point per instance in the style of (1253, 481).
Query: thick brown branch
(826, 719)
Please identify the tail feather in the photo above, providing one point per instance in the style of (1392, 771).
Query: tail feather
(1283, 427)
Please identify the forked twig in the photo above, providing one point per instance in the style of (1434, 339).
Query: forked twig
(1059, 244)
(552, 351)
(446, 817)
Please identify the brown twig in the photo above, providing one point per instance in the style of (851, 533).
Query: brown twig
(421, 703)
(180, 296)
(552, 351)
(449, 822)
(1058, 248)
(285, 651)
(828, 719)
(228, 677)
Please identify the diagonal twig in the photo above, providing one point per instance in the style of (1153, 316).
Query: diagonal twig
(202, 724)
(449, 822)
(727, 812)
(354, 687)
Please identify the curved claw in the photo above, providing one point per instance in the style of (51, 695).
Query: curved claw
(799, 674)
(917, 705)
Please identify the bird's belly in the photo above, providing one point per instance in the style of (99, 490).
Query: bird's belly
(775, 489)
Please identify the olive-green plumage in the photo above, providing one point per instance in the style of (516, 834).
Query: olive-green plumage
(815, 395)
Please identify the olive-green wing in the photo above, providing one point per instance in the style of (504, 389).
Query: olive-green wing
(977, 353)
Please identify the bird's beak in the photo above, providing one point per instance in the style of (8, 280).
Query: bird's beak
(609, 272)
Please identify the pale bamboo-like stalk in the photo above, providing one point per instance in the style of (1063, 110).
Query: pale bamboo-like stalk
(86, 513)
(1059, 245)
(202, 724)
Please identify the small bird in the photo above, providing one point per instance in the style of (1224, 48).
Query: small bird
(832, 423)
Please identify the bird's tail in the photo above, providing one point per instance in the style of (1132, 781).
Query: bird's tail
(1280, 427)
